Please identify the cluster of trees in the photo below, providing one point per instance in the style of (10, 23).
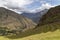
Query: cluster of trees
(5, 31)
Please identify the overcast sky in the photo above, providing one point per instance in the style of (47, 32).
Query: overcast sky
(24, 5)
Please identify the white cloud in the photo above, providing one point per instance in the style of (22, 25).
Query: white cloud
(15, 4)
(46, 6)
(42, 7)
(19, 5)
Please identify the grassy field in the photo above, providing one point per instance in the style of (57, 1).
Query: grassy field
(45, 32)
(43, 36)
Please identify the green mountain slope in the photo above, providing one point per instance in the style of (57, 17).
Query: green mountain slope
(53, 15)
(13, 22)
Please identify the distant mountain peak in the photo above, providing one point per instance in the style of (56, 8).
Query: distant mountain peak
(35, 16)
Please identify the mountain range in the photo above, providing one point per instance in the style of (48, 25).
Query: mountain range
(11, 22)
(48, 27)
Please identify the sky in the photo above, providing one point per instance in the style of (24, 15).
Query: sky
(28, 5)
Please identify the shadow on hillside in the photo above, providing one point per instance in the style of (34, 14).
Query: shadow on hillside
(38, 30)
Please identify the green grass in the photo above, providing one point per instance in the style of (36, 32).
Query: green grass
(45, 32)
(43, 36)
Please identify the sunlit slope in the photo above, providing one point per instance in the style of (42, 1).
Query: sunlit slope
(13, 21)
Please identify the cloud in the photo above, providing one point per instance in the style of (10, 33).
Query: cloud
(15, 4)
(20, 5)
(46, 6)
(42, 7)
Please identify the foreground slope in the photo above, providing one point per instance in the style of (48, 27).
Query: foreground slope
(44, 33)
(10, 20)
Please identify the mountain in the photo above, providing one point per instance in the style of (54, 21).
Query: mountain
(52, 16)
(12, 22)
(35, 16)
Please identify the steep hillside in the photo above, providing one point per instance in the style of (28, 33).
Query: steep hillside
(10, 20)
(53, 15)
